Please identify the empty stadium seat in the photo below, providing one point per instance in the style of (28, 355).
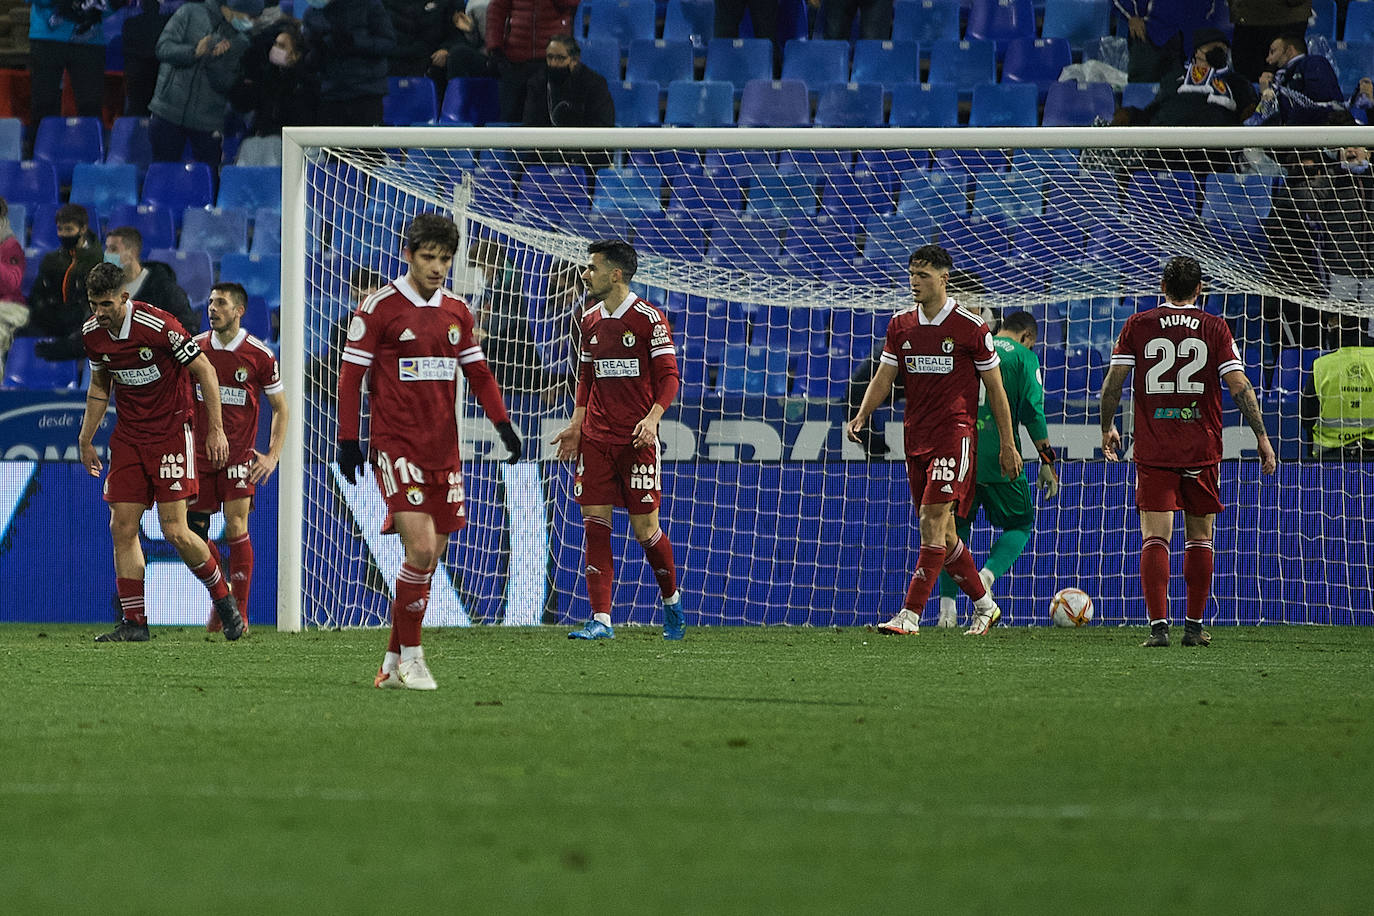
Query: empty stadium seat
(66, 141)
(1323, 20)
(924, 105)
(218, 231)
(1009, 196)
(774, 103)
(1238, 201)
(1004, 105)
(623, 20)
(1036, 60)
(250, 187)
(1077, 21)
(1047, 239)
(1359, 21)
(1074, 104)
(935, 194)
(195, 272)
(816, 63)
(708, 103)
(709, 191)
(886, 62)
(601, 55)
(100, 187)
(155, 223)
(472, 100)
(178, 185)
(636, 104)
(1352, 60)
(974, 239)
(925, 21)
(410, 100)
(11, 138)
(659, 60)
(820, 248)
(266, 232)
(1000, 21)
(784, 196)
(25, 369)
(129, 143)
(673, 234)
(1166, 195)
(259, 274)
(692, 20)
(738, 60)
(19, 222)
(1138, 95)
(257, 318)
(553, 193)
(29, 181)
(632, 191)
(963, 64)
(855, 196)
(850, 105)
(743, 243)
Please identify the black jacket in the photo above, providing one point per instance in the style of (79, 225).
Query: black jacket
(275, 96)
(583, 100)
(53, 310)
(161, 289)
(349, 43)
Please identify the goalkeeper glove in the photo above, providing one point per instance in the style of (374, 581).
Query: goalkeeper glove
(351, 459)
(1048, 479)
(511, 439)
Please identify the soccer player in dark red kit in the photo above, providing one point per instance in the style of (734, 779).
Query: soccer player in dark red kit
(410, 339)
(146, 355)
(247, 371)
(940, 351)
(1181, 355)
(627, 378)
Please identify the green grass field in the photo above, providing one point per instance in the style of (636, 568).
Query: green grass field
(745, 770)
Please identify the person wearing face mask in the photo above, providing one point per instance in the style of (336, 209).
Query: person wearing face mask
(566, 93)
(1301, 89)
(57, 302)
(152, 282)
(275, 89)
(198, 53)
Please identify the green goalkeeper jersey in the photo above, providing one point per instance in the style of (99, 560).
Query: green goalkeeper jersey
(1025, 394)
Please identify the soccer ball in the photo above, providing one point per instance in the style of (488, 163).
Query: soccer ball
(1071, 607)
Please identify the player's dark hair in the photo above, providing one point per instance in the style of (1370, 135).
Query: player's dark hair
(1017, 322)
(104, 278)
(1182, 277)
(618, 253)
(129, 236)
(933, 255)
(72, 213)
(432, 229)
(235, 291)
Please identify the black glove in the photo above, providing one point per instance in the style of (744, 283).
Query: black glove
(511, 439)
(351, 459)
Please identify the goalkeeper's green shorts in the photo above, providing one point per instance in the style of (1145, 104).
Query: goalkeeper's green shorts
(1006, 505)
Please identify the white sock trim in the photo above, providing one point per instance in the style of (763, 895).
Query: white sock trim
(602, 618)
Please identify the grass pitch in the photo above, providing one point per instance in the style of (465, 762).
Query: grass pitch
(744, 770)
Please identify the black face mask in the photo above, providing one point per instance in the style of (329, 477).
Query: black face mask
(1218, 58)
(558, 75)
(69, 241)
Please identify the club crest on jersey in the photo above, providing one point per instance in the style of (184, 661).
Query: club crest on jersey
(240, 374)
(415, 496)
(947, 345)
(356, 328)
(145, 353)
(628, 338)
(455, 334)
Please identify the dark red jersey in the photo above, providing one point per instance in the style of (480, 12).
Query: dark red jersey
(247, 370)
(146, 360)
(626, 354)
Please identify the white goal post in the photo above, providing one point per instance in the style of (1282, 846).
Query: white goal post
(778, 254)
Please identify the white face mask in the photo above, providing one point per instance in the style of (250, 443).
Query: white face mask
(278, 57)
(1358, 166)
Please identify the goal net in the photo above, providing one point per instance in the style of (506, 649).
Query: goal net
(778, 256)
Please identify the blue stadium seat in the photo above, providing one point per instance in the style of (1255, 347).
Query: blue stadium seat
(636, 104)
(99, 187)
(708, 103)
(710, 191)
(889, 239)
(1011, 197)
(1236, 201)
(1074, 104)
(266, 232)
(1036, 60)
(672, 235)
(1083, 195)
(669, 162)
(33, 257)
(1078, 21)
(659, 60)
(216, 230)
(129, 143)
(775, 103)
(29, 181)
(744, 242)
(777, 195)
(850, 105)
(155, 223)
(972, 161)
(11, 138)
(257, 318)
(974, 239)
(1161, 195)
(66, 141)
(250, 187)
(601, 55)
(259, 274)
(924, 105)
(819, 248)
(886, 62)
(936, 195)
(1352, 60)
(1000, 21)
(692, 20)
(1047, 239)
(623, 20)
(194, 269)
(925, 21)
(1004, 105)
(856, 331)
(410, 100)
(855, 196)
(823, 376)
(1359, 22)
(19, 222)
(178, 185)
(793, 22)
(816, 63)
(471, 100)
(553, 194)
(1138, 95)
(738, 60)
(1323, 19)
(962, 64)
(628, 190)
(25, 369)
(815, 164)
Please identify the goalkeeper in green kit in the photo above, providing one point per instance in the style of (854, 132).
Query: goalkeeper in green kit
(1007, 503)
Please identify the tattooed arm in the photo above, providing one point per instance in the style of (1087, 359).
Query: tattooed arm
(1243, 393)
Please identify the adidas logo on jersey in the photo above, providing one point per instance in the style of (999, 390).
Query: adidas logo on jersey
(647, 498)
(593, 340)
(407, 334)
(946, 489)
(176, 485)
(906, 345)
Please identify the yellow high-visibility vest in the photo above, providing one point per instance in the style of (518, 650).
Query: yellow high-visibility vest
(1344, 382)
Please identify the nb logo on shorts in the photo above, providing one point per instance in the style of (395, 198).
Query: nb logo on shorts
(172, 467)
(943, 469)
(643, 477)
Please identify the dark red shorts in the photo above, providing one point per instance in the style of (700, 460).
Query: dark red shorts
(945, 474)
(225, 485)
(1194, 490)
(147, 471)
(408, 488)
(618, 475)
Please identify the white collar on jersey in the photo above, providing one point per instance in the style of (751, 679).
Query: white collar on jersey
(950, 306)
(407, 289)
(621, 309)
(231, 345)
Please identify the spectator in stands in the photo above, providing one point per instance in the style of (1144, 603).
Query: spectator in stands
(152, 282)
(1361, 101)
(422, 28)
(1344, 200)
(347, 43)
(14, 313)
(564, 93)
(875, 19)
(1156, 29)
(57, 302)
(199, 53)
(763, 17)
(1302, 88)
(517, 34)
(1295, 234)
(1257, 24)
(275, 89)
(326, 336)
(563, 307)
(465, 53)
(140, 34)
(1337, 407)
(503, 320)
(66, 35)
(1207, 93)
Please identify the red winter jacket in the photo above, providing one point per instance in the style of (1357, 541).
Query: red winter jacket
(521, 29)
